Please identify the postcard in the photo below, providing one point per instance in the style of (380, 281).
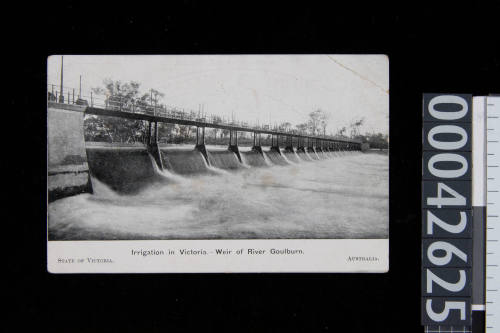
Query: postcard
(217, 163)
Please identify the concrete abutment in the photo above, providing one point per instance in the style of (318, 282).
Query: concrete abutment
(67, 165)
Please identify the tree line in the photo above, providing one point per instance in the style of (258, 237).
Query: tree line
(113, 129)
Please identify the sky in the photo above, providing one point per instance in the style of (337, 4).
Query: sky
(265, 88)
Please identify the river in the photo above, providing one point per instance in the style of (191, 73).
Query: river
(342, 196)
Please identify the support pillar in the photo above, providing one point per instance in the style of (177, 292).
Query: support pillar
(300, 145)
(233, 144)
(275, 144)
(289, 144)
(148, 134)
(152, 144)
(318, 145)
(310, 145)
(256, 143)
(156, 132)
(200, 143)
(200, 136)
(326, 146)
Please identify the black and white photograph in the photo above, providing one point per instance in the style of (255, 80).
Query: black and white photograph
(218, 147)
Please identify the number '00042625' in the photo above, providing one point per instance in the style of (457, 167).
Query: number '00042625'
(446, 209)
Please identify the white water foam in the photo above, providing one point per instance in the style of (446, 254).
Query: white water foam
(333, 198)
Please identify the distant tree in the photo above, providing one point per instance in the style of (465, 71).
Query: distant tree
(119, 129)
(167, 131)
(225, 133)
(317, 122)
(186, 131)
(126, 91)
(354, 126)
(378, 140)
(214, 131)
(285, 126)
(153, 97)
(323, 121)
(341, 131)
(302, 128)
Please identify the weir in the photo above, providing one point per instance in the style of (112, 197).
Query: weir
(124, 169)
(274, 155)
(184, 161)
(224, 159)
(254, 158)
(310, 149)
(129, 169)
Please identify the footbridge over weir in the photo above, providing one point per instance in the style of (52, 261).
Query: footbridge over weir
(70, 161)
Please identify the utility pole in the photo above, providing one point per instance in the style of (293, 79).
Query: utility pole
(80, 90)
(61, 94)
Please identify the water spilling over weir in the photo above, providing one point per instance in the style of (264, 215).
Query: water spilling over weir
(123, 169)
(254, 158)
(103, 191)
(303, 155)
(312, 153)
(224, 159)
(349, 197)
(130, 168)
(291, 155)
(275, 157)
(184, 161)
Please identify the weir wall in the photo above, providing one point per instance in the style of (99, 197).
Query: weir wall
(275, 157)
(68, 170)
(254, 158)
(290, 154)
(302, 154)
(224, 159)
(124, 169)
(131, 168)
(184, 161)
(312, 153)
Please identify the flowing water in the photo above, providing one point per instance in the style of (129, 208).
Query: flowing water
(339, 197)
(185, 161)
(312, 155)
(291, 156)
(276, 158)
(124, 169)
(304, 156)
(224, 159)
(254, 159)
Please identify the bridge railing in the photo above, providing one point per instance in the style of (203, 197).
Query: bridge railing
(123, 103)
